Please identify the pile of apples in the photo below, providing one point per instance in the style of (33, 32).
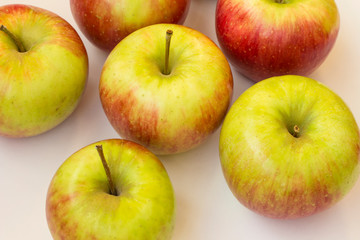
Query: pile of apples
(279, 140)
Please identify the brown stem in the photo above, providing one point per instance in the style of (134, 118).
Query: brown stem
(107, 170)
(296, 131)
(17, 42)
(167, 51)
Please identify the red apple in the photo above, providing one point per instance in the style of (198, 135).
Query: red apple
(106, 23)
(265, 38)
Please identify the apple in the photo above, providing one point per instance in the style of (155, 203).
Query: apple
(166, 109)
(43, 70)
(289, 147)
(266, 38)
(112, 189)
(105, 23)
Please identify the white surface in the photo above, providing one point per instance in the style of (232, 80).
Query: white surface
(206, 209)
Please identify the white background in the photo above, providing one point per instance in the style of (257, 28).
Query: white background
(206, 209)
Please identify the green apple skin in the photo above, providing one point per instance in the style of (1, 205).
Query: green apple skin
(106, 23)
(266, 38)
(170, 113)
(80, 207)
(277, 172)
(41, 87)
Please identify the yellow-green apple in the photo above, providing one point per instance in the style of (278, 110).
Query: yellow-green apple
(105, 23)
(168, 111)
(112, 189)
(289, 147)
(43, 70)
(266, 38)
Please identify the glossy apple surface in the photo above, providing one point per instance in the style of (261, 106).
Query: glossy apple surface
(40, 87)
(167, 113)
(289, 147)
(266, 38)
(105, 23)
(79, 205)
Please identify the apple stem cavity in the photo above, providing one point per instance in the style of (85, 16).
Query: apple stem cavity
(280, 1)
(107, 170)
(169, 34)
(16, 40)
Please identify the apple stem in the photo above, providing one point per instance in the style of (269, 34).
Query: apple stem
(296, 131)
(17, 42)
(107, 170)
(167, 51)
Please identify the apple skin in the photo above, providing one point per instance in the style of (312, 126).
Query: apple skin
(262, 38)
(79, 205)
(106, 23)
(276, 174)
(41, 87)
(172, 113)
